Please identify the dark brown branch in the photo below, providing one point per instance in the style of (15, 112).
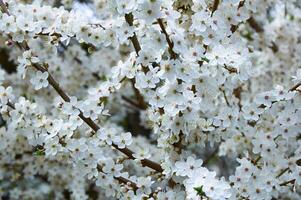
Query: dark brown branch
(295, 87)
(127, 182)
(173, 55)
(138, 95)
(258, 28)
(131, 102)
(129, 18)
(254, 24)
(3, 7)
(282, 172)
(121, 179)
(230, 69)
(287, 182)
(214, 7)
(11, 105)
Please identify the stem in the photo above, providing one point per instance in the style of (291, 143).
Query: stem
(138, 95)
(287, 182)
(129, 18)
(11, 105)
(225, 97)
(215, 6)
(295, 87)
(231, 70)
(127, 182)
(3, 7)
(254, 24)
(282, 172)
(131, 102)
(257, 27)
(257, 160)
(121, 179)
(173, 55)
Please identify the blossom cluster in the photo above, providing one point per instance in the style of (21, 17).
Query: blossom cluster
(150, 99)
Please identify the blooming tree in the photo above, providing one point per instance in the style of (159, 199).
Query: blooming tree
(150, 99)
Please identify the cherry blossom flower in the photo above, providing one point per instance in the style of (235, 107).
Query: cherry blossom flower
(39, 80)
(106, 135)
(189, 167)
(125, 139)
(6, 95)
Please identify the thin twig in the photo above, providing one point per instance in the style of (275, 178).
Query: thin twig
(282, 172)
(131, 102)
(214, 7)
(11, 105)
(129, 18)
(295, 87)
(287, 182)
(257, 160)
(255, 25)
(173, 55)
(121, 179)
(212, 155)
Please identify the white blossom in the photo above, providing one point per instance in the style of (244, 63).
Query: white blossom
(39, 80)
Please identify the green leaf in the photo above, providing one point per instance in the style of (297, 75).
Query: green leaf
(205, 59)
(39, 152)
(200, 191)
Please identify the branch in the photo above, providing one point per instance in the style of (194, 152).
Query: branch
(11, 105)
(173, 55)
(129, 18)
(215, 6)
(131, 102)
(3, 7)
(282, 172)
(295, 87)
(287, 182)
(254, 24)
(121, 179)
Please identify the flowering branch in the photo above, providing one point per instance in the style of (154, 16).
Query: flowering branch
(93, 125)
(120, 179)
(88, 121)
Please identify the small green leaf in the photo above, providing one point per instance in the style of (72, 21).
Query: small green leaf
(205, 59)
(39, 152)
(200, 191)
